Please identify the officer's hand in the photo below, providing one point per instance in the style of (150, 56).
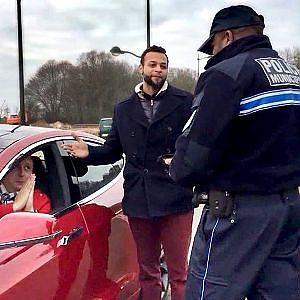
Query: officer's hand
(77, 149)
(165, 158)
(167, 161)
(24, 194)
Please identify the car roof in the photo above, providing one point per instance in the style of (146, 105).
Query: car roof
(10, 134)
(103, 119)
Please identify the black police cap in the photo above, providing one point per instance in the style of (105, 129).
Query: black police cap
(229, 18)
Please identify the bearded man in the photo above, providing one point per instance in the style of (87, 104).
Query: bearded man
(145, 126)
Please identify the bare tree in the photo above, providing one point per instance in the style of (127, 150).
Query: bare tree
(86, 92)
(104, 81)
(183, 78)
(4, 110)
(292, 56)
(46, 92)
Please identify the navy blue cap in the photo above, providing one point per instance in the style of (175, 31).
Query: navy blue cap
(229, 18)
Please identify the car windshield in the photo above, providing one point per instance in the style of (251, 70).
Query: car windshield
(107, 122)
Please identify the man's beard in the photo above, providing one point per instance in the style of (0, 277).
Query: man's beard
(155, 85)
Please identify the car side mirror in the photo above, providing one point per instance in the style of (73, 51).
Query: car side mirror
(26, 229)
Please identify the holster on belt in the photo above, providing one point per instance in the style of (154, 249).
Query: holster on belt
(200, 196)
(220, 203)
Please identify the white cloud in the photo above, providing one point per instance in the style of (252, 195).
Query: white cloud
(62, 30)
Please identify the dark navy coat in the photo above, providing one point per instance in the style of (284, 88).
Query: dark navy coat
(148, 189)
(245, 134)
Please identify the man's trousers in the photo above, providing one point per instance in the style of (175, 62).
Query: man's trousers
(254, 253)
(173, 233)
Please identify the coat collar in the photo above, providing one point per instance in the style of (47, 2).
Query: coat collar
(169, 101)
(138, 89)
(241, 45)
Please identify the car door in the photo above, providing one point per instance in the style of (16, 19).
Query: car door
(114, 268)
(45, 256)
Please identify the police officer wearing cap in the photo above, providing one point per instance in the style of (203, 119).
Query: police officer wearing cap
(242, 144)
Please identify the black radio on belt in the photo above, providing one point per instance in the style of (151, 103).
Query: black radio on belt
(220, 204)
(200, 196)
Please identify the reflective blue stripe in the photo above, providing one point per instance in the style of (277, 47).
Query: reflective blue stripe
(270, 100)
(208, 258)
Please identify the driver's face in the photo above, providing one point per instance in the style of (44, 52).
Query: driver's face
(15, 179)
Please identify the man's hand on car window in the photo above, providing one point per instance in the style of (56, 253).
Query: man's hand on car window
(77, 149)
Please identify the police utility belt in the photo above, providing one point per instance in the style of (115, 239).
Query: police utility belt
(220, 204)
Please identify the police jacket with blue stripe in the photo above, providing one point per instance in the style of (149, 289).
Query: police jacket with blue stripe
(244, 134)
(148, 189)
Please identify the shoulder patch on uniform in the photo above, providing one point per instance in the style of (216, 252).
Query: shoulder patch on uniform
(279, 72)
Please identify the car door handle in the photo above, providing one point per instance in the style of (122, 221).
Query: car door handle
(30, 241)
(66, 239)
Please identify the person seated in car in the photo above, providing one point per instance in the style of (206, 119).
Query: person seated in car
(18, 191)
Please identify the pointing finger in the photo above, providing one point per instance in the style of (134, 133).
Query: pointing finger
(76, 137)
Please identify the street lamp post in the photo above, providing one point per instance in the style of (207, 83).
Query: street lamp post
(148, 22)
(21, 70)
(116, 51)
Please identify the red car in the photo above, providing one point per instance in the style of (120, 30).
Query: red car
(82, 249)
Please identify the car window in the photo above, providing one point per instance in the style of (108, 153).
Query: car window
(105, 122)
(97, 177)
(51, 175)
(40, 154)
(93, 178)
(51, 193)
(104, 126)
(40, 170)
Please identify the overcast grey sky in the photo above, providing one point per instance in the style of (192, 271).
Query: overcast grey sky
(63, 29)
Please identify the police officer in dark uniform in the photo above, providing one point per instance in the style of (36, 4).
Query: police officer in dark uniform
(242, 145)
